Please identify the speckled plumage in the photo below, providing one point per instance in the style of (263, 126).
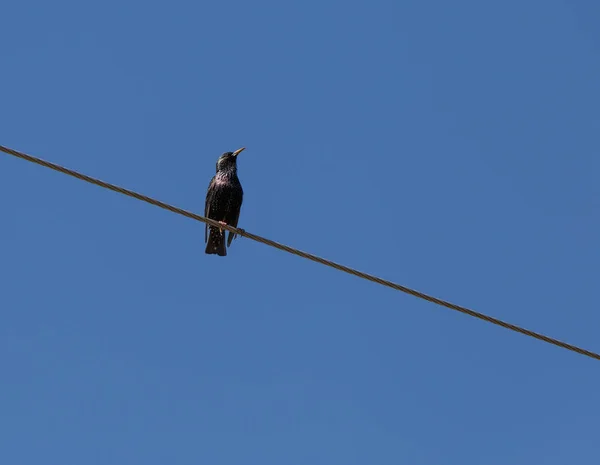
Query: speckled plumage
(223, 203)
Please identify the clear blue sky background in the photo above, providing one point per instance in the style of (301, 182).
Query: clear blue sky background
(448, 146)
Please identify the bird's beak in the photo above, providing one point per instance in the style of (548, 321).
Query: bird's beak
(238, 151)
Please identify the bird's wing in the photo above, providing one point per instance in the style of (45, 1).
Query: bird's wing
(234, 216)
(209, 197)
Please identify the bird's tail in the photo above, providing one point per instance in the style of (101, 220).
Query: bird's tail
(216, 242)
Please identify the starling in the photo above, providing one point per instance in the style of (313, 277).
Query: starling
(223, 202)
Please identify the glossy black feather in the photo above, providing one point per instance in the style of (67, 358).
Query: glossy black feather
(223, 203)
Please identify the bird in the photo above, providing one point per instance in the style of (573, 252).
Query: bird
(223, 203)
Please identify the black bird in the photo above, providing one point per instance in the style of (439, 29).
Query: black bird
(223, 202)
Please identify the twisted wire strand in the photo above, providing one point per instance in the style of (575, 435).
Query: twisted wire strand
(302, 254)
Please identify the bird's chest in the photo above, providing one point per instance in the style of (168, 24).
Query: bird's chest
(225, 182)
(227, 189)
(227, 185)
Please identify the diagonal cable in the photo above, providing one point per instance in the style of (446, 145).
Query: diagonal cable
(300, 253)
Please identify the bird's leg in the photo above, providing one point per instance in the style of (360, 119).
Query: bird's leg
(222, 222)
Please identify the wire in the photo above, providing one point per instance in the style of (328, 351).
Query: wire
(302, 254)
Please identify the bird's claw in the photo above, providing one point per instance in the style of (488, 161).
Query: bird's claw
(241, 231)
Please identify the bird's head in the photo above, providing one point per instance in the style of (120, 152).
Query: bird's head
(228, 160)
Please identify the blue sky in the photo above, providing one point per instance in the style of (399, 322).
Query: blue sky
(448, 146)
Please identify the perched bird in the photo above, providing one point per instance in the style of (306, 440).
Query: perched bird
(223, 202)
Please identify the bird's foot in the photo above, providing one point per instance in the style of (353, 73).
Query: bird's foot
(222, 222)
(242, 231)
